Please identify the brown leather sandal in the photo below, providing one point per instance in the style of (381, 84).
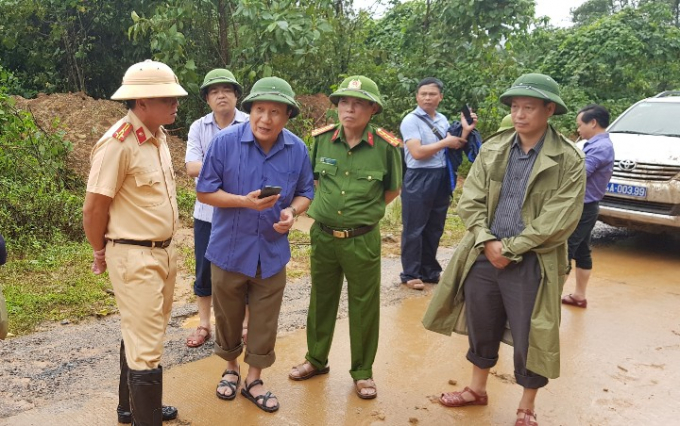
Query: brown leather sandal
(455, 399)
(196, 338)
(369, 384)
(572, 301)
(529, 418)
(306, 371)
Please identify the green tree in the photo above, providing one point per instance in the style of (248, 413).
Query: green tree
(68, 45)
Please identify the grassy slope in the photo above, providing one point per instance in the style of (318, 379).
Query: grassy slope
(54, 283)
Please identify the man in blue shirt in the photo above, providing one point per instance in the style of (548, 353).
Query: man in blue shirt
(592, 122)
(248, 245)
(426, 191)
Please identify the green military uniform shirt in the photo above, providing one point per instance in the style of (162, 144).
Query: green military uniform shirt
(352, 182)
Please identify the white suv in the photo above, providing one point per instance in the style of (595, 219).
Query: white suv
(644, 191)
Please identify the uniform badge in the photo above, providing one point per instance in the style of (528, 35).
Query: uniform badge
(322, 130)
(326, 160)
(354, 84)
(141, 136)
(122, 132)
(389, 137)
(370, 138)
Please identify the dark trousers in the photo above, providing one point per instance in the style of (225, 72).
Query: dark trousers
(494, 297)
(579, 241)
(203, 283)
(425, 199)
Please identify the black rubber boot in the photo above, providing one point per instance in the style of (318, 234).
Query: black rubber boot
(146, 392)
(123, 410)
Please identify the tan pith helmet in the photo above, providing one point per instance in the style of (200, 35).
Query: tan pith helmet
(149, 79)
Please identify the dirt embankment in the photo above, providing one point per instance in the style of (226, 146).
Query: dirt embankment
(84, 120)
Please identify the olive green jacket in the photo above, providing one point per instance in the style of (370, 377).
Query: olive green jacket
(551, 210)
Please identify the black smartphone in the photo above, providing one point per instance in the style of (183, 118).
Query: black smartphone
(268, 191)
(466, 113)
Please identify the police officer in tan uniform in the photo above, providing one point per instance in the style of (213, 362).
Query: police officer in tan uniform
(130, 215)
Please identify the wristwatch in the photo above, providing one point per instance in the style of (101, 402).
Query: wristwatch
(294, 210)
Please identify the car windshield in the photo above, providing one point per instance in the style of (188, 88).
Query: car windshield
(650, 118)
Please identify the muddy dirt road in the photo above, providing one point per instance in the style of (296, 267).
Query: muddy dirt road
(619, 360)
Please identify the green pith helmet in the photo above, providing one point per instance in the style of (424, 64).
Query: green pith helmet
(539, 86)
(272, 89)
(358, 86)
(220, 75)
(506, 123)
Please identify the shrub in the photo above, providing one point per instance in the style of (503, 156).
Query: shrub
(40, 199)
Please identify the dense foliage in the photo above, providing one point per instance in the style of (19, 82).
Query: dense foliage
(38, 201)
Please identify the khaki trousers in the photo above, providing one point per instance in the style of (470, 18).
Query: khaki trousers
(229, 302)
(143, 280)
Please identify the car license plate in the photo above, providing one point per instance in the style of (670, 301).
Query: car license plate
(630, 190)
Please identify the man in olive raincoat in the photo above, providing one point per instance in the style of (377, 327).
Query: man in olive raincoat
(521, 201)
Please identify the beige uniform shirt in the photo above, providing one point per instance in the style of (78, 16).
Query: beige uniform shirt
(137, 173)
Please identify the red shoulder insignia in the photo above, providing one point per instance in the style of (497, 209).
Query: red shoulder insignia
(141, 136)
(388, 137)
(122, 132)
(322, 130)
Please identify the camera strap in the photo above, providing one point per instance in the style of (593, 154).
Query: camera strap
(432, 127)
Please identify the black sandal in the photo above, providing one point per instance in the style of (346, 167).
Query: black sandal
(261, 400)
(231, 385)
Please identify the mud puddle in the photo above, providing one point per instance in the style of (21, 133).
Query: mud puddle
(619, 363)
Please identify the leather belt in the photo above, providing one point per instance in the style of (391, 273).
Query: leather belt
(152, 244)
(346, 233)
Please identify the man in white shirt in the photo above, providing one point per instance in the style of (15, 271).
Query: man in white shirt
(221, 91)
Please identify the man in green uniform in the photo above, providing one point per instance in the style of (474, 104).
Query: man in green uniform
(357, 170)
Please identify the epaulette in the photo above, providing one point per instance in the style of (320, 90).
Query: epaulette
(389, 137)
(322, 130)
(122, 132)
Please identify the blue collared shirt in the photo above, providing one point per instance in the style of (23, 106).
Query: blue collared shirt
(201, 133)
(599, 152)
(413, 127)
(241, 238)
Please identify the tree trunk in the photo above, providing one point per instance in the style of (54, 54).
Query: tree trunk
(223, 22)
